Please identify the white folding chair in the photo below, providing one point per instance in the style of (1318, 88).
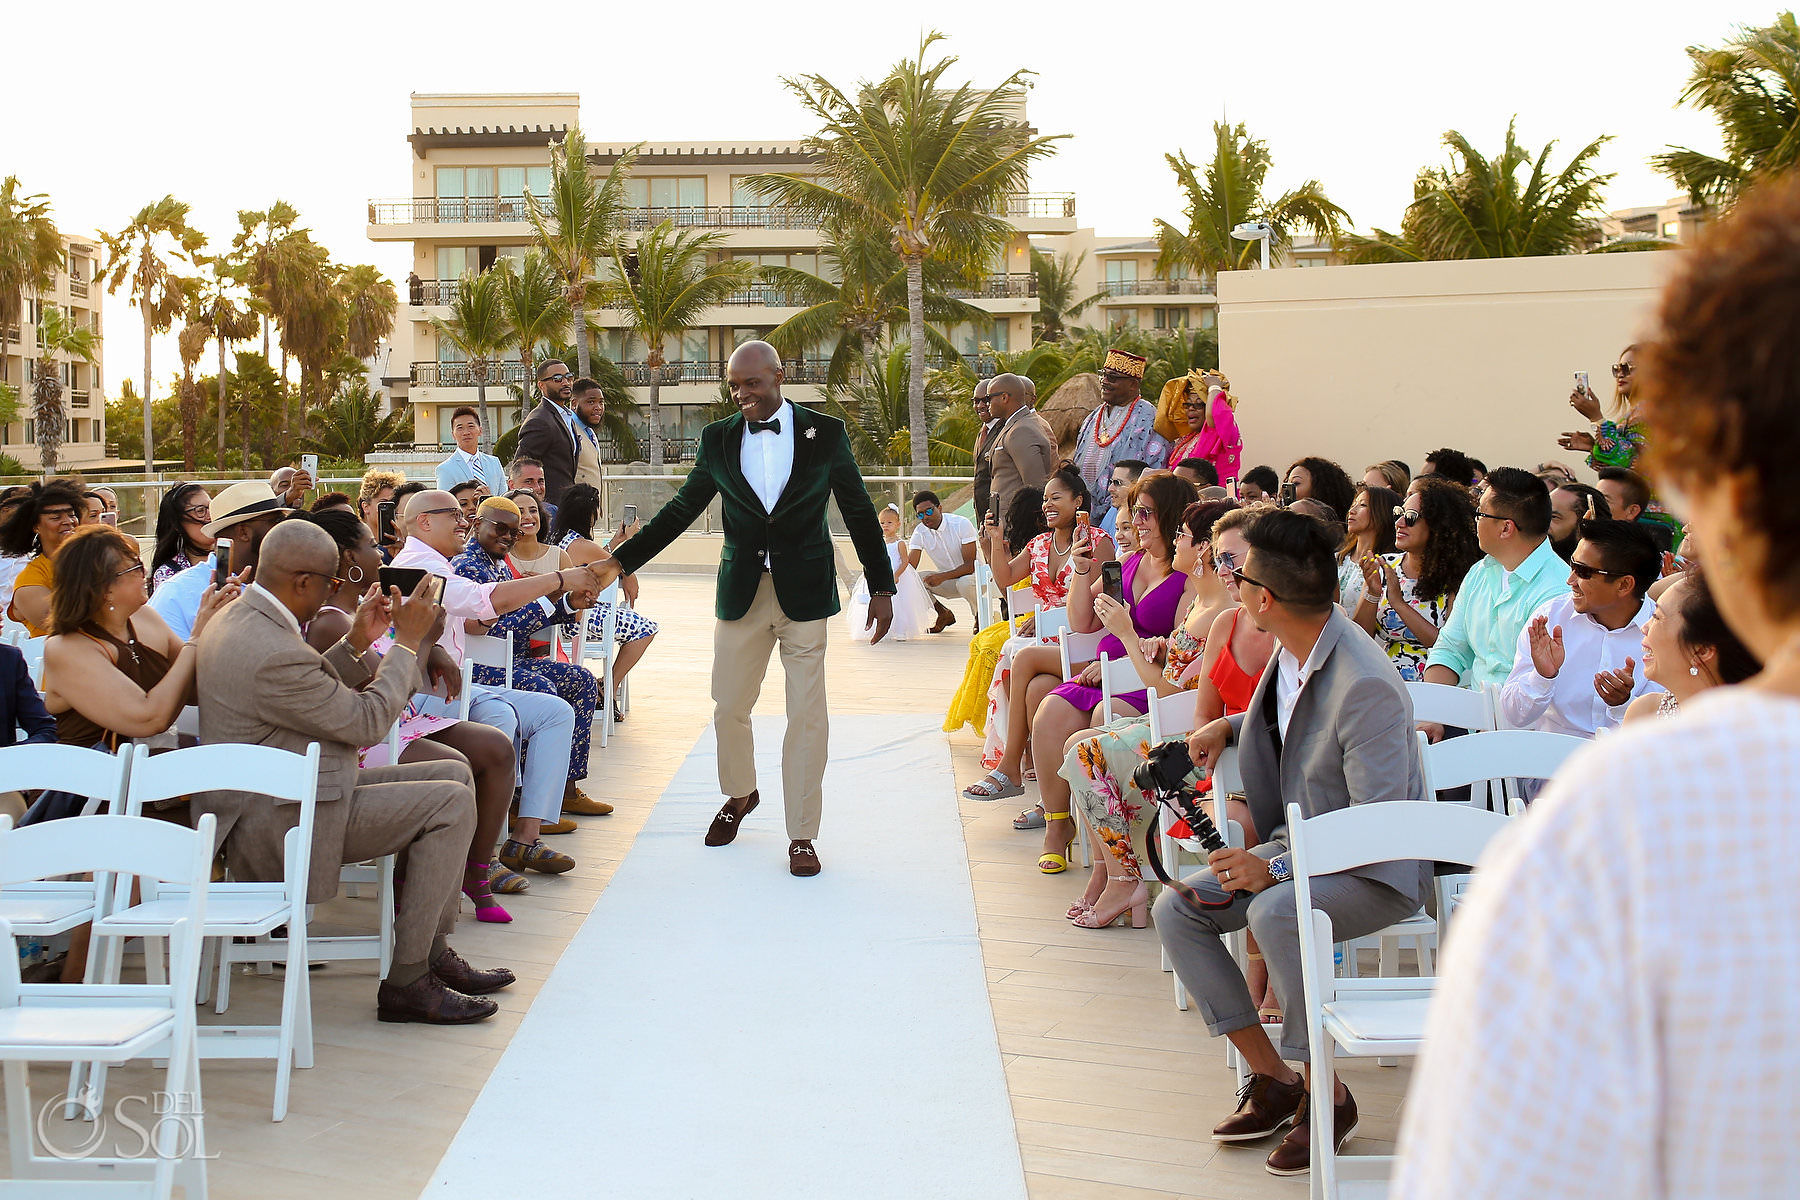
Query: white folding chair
(1078, 648)
(235, 909)
(1464, 708)
(33, 650)
(1365, 1018)
(604, 648)
(984, 594)
(493, 652)
(1117, 675)
(109, 1023)
(45, 907)
(1497, 758)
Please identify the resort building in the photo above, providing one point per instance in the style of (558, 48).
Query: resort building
(77, 293)
(474, 157)
(1674, 220)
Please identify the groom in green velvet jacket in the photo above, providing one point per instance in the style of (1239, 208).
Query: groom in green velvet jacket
(774, 467)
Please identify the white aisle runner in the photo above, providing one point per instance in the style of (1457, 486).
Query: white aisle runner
(719, 1029)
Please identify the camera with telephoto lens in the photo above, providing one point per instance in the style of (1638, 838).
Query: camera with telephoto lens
(1163, 776)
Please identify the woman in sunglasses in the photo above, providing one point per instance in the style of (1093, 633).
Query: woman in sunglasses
(181, 539)
(38, 526)
(1407, 595)
(1617, 440)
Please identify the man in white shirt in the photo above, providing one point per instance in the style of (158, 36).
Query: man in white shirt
(437, 529)
(949, 540)
(468, 462)
(1576, 668)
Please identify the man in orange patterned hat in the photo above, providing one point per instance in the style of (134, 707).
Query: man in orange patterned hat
(1124, 426)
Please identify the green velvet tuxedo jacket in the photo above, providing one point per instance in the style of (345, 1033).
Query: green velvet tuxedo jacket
(796, 535)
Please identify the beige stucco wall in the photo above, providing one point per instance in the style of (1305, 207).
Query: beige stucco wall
(1366, 363)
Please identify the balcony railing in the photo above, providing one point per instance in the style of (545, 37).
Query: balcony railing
(427, 210)
(1159, 287)
(77, 287)
(78, 399)
(436, 374)
(997, 287)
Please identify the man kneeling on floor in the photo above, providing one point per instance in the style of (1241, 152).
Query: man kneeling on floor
(1330, 726)
(261, 684)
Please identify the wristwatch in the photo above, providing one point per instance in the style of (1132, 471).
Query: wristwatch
(1279, 870)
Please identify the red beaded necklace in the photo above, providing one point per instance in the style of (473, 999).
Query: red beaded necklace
(1100, 435)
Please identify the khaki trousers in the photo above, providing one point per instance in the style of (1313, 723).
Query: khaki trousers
(740, 660)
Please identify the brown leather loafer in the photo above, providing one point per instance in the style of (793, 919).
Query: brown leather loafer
(459, 975)
(430, 1001)
(1294, 1155)
(724, 827)
(1264, 1105)
(803, 860)
(584, 805)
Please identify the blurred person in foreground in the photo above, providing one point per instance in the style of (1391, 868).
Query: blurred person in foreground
(1634, 940)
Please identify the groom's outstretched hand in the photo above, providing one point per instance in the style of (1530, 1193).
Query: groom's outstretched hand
(604, 571)
(881, 615)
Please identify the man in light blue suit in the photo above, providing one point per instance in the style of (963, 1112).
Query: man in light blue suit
(468, 462)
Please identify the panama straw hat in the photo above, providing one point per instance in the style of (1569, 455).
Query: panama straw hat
(242, 502)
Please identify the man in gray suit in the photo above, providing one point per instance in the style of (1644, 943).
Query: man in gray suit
(261, 684)
(1329, 725)
(1024, 453)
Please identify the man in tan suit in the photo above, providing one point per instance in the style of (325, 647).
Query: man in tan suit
(1024, 444)
(260, 683)
(590, 415)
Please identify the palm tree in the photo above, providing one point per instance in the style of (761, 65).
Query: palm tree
(147, 251)
(578, 225)
(863, 304)
(56, 335)
(350, 424)
(1058, 284)
(369, 304)
(875, 407)
(191, 344)
(226, 321)
(931, 166)
(1229, 192)
(1478, 207)
(537, 310)
(479, 328)
(308, 309)
(663, 294)
(31, 251)
(1752, 86)
(254, 247)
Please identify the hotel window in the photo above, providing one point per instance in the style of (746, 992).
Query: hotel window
(1120, 271)
(1169, 318)
(1208, 318)
(516, 181)
(667, 191)
(1123, 318)
(1671, 229)
(99, 434)
(465, 194)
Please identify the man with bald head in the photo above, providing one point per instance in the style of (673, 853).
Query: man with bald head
(984, 449)
(260, 683)
(1024, 444)
(775, 467)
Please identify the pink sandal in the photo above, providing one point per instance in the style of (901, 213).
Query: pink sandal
(482, 894)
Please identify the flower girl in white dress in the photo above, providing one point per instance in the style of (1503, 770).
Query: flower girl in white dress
(913, 609)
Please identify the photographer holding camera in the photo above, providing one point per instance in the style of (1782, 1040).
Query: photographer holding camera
(1329, 726)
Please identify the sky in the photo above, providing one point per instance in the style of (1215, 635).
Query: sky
(229, 106)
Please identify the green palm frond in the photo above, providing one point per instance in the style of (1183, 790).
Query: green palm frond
(351, 424)
(1751, 85)
(30, 248)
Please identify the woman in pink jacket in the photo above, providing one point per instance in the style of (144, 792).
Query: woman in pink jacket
(1199, 413)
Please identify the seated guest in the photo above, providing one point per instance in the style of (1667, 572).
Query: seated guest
(1199, 472)
(109, 504)
(10, 564)
(291, 484)
(1518, 575)
(970, 705)
(1125, 472)
(1631, 942)
(528, 473)
(484, 559)
(378, 484)
(260, 683)
(426, 737)
(1628, 494)
(1098, 767)
(1258, 485)
(942, 550)
(468, 495)
(331, 500)
(1368, 533)
(1329, 727)
(1453, 465)
(1409, 594)
(1688, 649)
(1321, 479)
(21, 708)
(543, 726)
(1573, 671)
(1570, 505)
(467, 463)
(1392, 474)
(181, 538)
(37, 527)
(1151, 594)
(573, 535)
(244, 513)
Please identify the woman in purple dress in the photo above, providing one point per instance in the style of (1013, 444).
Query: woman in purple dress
(1153, 592)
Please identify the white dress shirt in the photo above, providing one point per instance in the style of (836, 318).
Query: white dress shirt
(1290, 680)
(767, 458)
(1569, 704)
(1616, 1013)
(464, 599)
(944, 545)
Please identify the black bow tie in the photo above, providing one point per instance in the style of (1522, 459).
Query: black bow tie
(773, 425)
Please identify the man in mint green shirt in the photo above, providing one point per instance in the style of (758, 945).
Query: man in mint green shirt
(1499, 594)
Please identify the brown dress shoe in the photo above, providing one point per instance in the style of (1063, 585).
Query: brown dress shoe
(724, 827)
(803, 860)
(945, 619)
(1264, 1105)
(431, 1001)
(458, 974)
(1294, 1155)
(584, 805)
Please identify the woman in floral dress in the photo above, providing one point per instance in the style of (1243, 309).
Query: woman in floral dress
(1407, 595)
